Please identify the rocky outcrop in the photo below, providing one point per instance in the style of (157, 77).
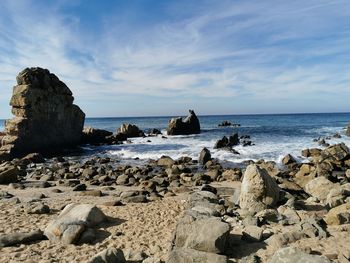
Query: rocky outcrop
(130, 130)
(95, 136)
(46, 120)
(190, 125)
(258, 190)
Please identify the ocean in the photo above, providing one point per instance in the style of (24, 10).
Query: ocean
(273, 135)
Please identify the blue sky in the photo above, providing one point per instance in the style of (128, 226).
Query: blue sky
(148, 57)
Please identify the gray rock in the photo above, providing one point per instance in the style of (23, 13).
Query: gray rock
(258, 190)
(194, 256)
(109, 255)
(72, 222)
(20, 238)
(293, 255)
(207, 234)
(204, 156)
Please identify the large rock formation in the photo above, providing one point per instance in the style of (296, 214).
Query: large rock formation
(45, 119)
(190, 125)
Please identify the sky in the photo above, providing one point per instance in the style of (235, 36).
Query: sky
(161, 58)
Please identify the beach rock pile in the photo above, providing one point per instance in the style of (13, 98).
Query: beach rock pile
(189, 125)
(46, 120)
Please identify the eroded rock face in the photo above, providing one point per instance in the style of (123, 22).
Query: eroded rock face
(190, 125)
(258, 190)
(45, 117)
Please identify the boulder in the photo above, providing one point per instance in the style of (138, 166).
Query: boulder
(288, 159)
(109, 255)
(72, 222)
(204, 156)
(185, 255)
(189, 125)
(20, 238)
(294, 255)
(95, 136)
(258, 190)
(204, 234)
(8, 175)
(130, 130)
(46, 120)
(319, 188)
(338, 215)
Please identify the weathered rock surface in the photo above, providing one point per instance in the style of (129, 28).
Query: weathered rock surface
(258, 190)
(72, 222)
(190, 125)
(8, 174)
(207, 234)
(95, 136)
(46, 120)
(20, 238)
(293, 255)
(338, 215)
(185, 255)
(109, 255)
(204, 156)
(130, 130)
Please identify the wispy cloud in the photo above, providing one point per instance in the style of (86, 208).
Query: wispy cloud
(219, 53)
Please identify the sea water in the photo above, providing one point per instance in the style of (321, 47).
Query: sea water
(273, 135)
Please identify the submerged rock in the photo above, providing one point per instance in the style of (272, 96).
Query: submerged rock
(46, 120)
(190, 125)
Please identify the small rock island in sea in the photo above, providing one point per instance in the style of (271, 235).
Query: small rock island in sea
(63, 206)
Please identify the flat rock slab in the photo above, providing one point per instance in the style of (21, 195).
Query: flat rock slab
(72, 222)
(20, 238)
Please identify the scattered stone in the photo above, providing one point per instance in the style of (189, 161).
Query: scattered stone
(109, 255)
(8, 175)
(196, 234)
(294, 255)
(338, 215)
(7, 240)
(185, 255)
(72, 222)
(204, 156)
(288, 159)
(190, 125)
(258, 190)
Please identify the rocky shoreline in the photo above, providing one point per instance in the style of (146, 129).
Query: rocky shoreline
(97, 209)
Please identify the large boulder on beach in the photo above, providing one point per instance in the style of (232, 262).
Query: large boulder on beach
(189, 125)
(72, 222)
(46, 120)
(258, 190)
(130, 130)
